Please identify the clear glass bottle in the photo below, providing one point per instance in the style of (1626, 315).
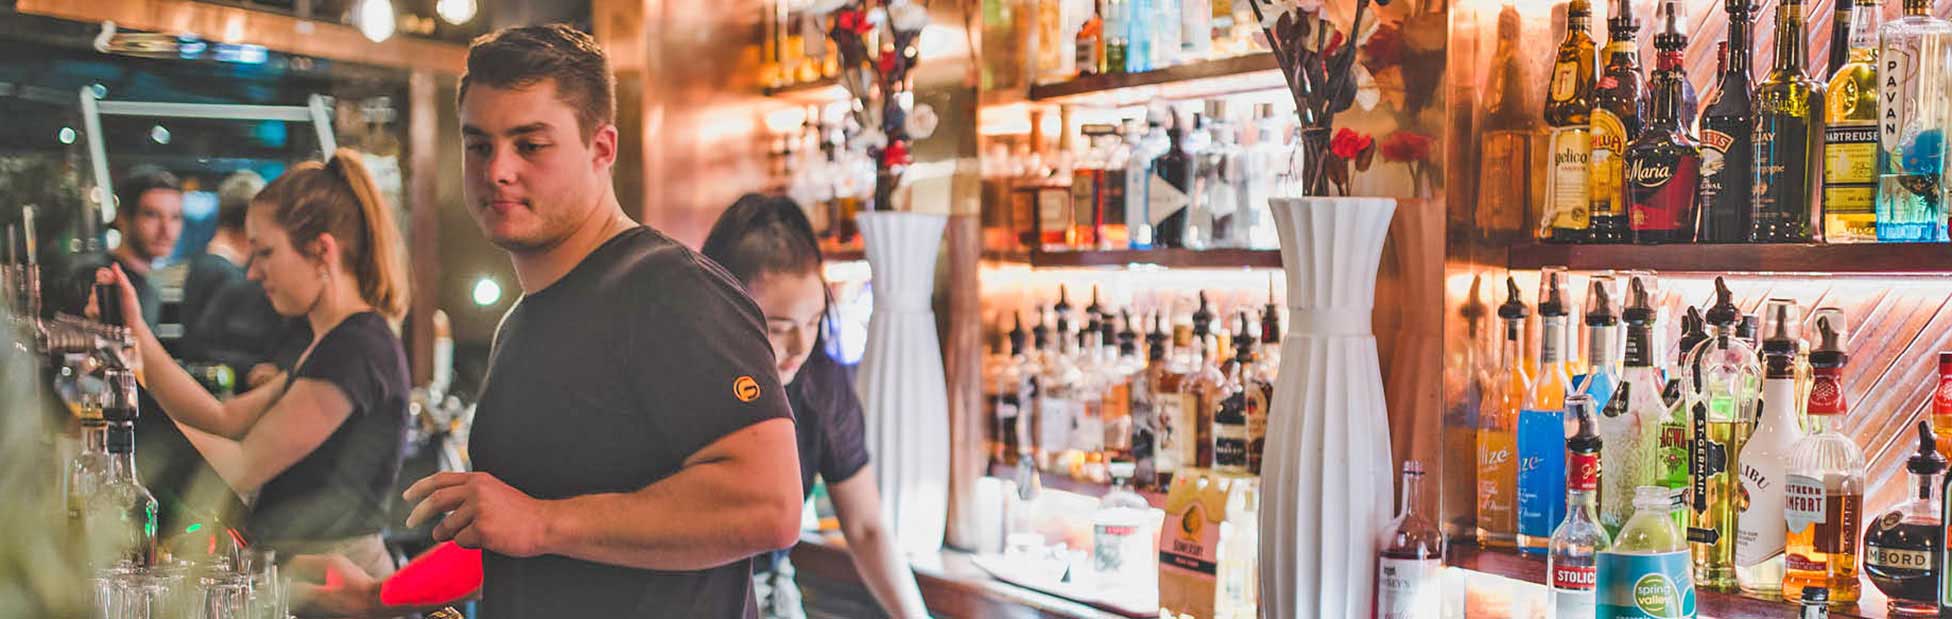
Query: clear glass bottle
(1824, 494)
(1916, 95)
(1467, 389)
(88, 469)
(1140, 175)
(1631, 422)
(120, 516)
(1850, 134)
(1542, 427)
(1722, 375)
(1647, 569)
(1760, 531)
(1122, 535)
(1497, 440)
(1579, 538)
(1677, 429)
(1268, 154)
(1409, 574)
(1061, 402)
(1901, 547)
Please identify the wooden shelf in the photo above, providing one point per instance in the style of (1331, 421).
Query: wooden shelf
(1881, 258)
(1066, 483)
(1253, 72)
(810, 92)
(1718, 604)
(1170, 258)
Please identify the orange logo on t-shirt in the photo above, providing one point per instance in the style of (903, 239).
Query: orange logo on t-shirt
(745, 388)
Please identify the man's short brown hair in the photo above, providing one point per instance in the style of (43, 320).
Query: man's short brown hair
(520, 57)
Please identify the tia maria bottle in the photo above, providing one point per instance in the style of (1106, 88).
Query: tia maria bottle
(1664, 164)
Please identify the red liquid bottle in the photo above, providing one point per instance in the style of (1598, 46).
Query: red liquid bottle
(1664, 165)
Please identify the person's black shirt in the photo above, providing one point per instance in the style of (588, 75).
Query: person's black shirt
(341, 489)
(227, 319)
(607, 381)
(831, 428)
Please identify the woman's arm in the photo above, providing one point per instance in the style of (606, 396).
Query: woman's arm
(180, 395)
(297, 424)
(872, 546)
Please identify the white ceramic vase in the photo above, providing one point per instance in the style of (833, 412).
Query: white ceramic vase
(1326, 470)
(901, 382)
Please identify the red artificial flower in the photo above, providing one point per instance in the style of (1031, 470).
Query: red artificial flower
(1385, 47)
(853, 20)
(895, 155)
(1406, 147)
(1347, 143)
(1334, 43)
(887, 62)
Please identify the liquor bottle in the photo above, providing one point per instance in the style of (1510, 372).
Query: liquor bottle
(1901, 547)
(1760, 531)
(1647, 567)
(1824, 494)
(1633, 423)
(1115, 396)
(1164, 35)
(1722, 375)
(1170, 194)
(1139, 17)
(1196, 227)
(1177, 445)
(1013, 391)
(1728, 137)
(1148, 412)
(1122, 534)
(1568, 111)
(1088, 46)
(1091, 192)
(1838, 55)
(1788, 139)
(1616, 124)
(1063, 406)
(1237, 396)
(1541, 426)
(1271, 333)
(1677, 428)
(1850, 132)
(1664, 164)
(1511, 145)
(1409, 574)
(1051, 49)
(1498, 429)
(1201, 388)
(1602, 332)
(1109, 218)
(1196, 30)
(1942, 402)
(1118, 46)
(1220, 176)
(1917, 109)
(1579, 539)
(1467, 393)
(1258, 379)
(1140, 176)
(88, 469)
(1267, 158)
(119, 517)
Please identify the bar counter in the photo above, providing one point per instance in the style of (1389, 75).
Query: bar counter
(952, 585)
(1500, 583)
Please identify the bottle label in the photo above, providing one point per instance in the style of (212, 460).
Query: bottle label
(1570, 195)
(1651, 586)
(1163, 199)
(1802, 502)
(1782, 188)
(1838, 533)
(1760, 531)
(1541, 472)
(1607, 195)
(1053, 211)
(1710, 461)
(1850, 169)
(1565, 81)
(1055, 425)
(1574, 577)
(1942, 401)
(1896, 81)
(1583, 472)
(1497, 474)
(1175, 436)
(1189, 544)
(1258, 395)
(1113, 545)
(1409, 588)
(1826, 396)
(1663, 185)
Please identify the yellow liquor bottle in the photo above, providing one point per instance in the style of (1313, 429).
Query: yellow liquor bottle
(1850, 114)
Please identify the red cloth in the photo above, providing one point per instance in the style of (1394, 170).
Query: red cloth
(445, 574)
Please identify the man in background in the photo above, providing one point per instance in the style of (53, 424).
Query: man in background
(149, 218)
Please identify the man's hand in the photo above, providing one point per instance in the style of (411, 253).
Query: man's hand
(331, 586)
(481, 512)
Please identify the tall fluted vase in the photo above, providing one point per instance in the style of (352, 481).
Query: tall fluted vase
(1325, 494)
(901, 381)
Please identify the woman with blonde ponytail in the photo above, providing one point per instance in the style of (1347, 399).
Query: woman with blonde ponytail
(315, 451)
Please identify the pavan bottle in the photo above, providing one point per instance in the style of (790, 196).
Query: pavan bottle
(1901, 547)
(1579, 539)
(1760, 532)
(1646, 573)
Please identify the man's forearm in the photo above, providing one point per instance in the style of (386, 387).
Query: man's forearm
(702, 517)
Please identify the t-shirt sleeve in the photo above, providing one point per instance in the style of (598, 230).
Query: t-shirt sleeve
(699, 354)
(347, 358)
(845, 425)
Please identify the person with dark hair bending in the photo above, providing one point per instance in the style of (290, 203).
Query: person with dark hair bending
(226, 317)
(767, 243)
(318, 451)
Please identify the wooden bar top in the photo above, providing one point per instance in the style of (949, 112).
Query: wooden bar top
(952, 585)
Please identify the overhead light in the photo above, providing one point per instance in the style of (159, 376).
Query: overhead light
(375, 19)
(455, 12)
(66, 135)
(486, 292)
(159, 134)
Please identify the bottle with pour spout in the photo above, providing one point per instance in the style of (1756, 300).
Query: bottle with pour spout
(1760, 535)
(1901, 546)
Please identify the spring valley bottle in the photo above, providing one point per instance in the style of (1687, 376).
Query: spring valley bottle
(1824, 495)
(1760, 532)
(1728, 138)
(1616, 124)
(1788, 138)
(1850, 135)
(1578, 540)
(1498, 428)
(1916, 108)
(1664, 164)
(1541, 425)
(1646, 572)
(1901, 547)
(1568, 111)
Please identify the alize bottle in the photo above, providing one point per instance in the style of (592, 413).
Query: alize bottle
(1760, 532)
(1901, 547)
(1646, 573)
(1498, 428)
(1578, 540)
(1542, 427)
(1824, 496)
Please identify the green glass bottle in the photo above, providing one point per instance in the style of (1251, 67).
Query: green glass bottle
(1788, 137)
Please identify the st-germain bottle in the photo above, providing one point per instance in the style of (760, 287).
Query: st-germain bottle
(1664, 164)
(1409, 573)
(1760, 532)
(1788, 138)
(1728, 138)
(1498, 428)
(1901, 546)
(1616, 124)
(1541, 425)
(1917, 109)
(1722, 374)
(1677, 429)
(1568, 113)
(1579, 539)
(1850, 135)
(1824, 496)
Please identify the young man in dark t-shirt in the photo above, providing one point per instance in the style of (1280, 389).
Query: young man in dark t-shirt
(632, 444)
